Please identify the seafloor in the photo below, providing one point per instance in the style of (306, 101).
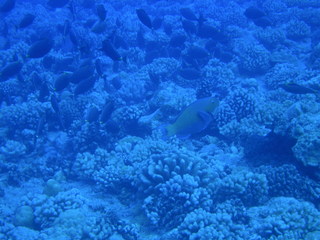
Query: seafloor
(98, 139)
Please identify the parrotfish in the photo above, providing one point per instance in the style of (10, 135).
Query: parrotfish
(194, 119)
(297, 89)
(40, 48)
(144, 18)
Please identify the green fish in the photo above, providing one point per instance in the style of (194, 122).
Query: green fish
(194, 119)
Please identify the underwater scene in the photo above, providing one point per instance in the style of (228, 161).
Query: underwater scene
(160, 120)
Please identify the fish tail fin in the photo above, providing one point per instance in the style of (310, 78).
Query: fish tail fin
(124, 59)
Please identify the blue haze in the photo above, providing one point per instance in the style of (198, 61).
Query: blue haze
(88, 89)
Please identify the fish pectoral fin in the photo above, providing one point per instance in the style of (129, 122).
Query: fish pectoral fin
(205, 117)
(183, 136)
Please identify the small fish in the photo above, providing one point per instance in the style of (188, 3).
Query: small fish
(84, 86)
(177, 40)
(48, 62)
(101, 11)
(174, 53)
(254, 13)
(116, 83)
(99, 27)
(194, 119)
(40, 48)
(207, 31)
(189, 27)
(211, 45)
(188, 14)
(57, 3)
(190, 73)
(43, 92)
(56, 108)
(26, 21)
(98, 65)
(7, 5)
(55, 104)
(263, 22)
(62, 81)
(73, 37)
(92, 115)
(222, 55)
(197, 52)
(65, 28)
(297, 89)
(40, 126)
(119, 42)
(106, 112)
(144, 18)
(11, 70)
(82, 73)
(36, 80)
(110, 51)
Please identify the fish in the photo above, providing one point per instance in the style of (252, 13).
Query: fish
(208, 31)
(116, 83)
(55, 106)
(73, 37)
(54, 103)
(62, 81)
(222, 55)
(82, 73)
(26, 21)
(263, 22)
(7, 6)
(190, 73)
(10, 70)
(106, 112)
(43, 92)
(92, 114)
(40, 126)
(193, 119)
(211, 45)
(174, 52)
(84, 86)
(197, 52)
(65, 28)
(119, 42)
(177, 40)
(101, 12)
(36, 80)
(297, 89)
(144, 18)
(57, 3)
(48, 62)
(254, 13)
(110, 51)
(40, 48)
(189, 27)
(188, 14)
(99, 27)
(98, 65)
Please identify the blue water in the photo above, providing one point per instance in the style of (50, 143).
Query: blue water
(109, 127)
